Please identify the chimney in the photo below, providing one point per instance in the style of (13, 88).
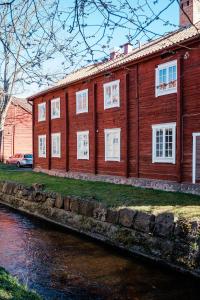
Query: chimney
(189, 11)
(127, 48)
(115, 52)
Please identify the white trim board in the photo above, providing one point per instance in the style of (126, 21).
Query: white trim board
(195, 134)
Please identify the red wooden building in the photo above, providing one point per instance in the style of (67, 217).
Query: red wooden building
(16, 129)
(136, 115)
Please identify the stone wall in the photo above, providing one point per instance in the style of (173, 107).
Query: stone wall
(164, 238)
(155, 184)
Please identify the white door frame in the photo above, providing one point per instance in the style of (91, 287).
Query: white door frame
(195, 134)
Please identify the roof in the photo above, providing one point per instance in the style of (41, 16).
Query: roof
(22, 103)
(176, 38)
(15, 101)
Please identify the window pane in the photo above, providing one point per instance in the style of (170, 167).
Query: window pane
(159, 143)
(55, 106)
(163, 79)
(79, 102)
(168, 142)
(83, 145)
(115, 94)
(42, 146)
(41, 112)
(108, 95)
(113, 145)
(172, 76)
(56, 145)
(82, 101)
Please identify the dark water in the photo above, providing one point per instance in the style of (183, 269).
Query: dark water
(61, 265)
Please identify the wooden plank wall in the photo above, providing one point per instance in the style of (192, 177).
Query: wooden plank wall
(17, 132)
(139, 110)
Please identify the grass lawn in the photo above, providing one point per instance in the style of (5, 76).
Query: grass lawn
(11, 289)
(110, 194)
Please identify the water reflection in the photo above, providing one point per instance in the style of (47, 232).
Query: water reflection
(60, 265)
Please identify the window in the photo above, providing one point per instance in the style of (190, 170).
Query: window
(55, 108)
(166, 78)
(111, 94)
(82, 101)
(28, 155)
(55, 145)
(83, 145)
(112, 144)
(41, 112)
(164, 143)
(42, 145)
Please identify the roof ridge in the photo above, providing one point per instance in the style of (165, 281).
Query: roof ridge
(174, 38)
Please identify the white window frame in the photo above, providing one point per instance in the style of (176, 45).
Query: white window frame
(111, 83)
(164, 126)
(40, 119)
(168, 90)
(113, 130)
(80, 93)
(45, 141)
(194, 155)
(53, 102)
(55, 135)
(79, 155)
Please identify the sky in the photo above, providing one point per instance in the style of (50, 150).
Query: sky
(119, 36)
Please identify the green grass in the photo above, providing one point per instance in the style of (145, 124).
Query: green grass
(10, 289)
(110, 194)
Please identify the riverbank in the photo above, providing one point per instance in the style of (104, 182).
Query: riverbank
(111, 195)
(162, 237)
(10, 288)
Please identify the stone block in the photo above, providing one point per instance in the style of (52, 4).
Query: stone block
(59, 203)
(144, 222)
(112, 216)
(164, 224)
(1, 185)
(25, 193)
(38, 187)
(18, 188)
(86, 208)
(66, 203)
(38, 197)
(50, 202)
(182, 254)
(8, 187)
(74, 205)
(126, 217)
(52, 195)
(187, 229)
(100, 212)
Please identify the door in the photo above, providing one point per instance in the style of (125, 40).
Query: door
(196, 158)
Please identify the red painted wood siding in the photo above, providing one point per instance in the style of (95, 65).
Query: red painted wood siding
(139, 110)
(17, 132)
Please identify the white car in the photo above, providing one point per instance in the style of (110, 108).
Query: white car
(21, 160)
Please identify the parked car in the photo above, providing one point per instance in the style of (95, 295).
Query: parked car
(21, 160)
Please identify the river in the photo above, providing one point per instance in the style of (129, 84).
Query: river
(59, 264)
